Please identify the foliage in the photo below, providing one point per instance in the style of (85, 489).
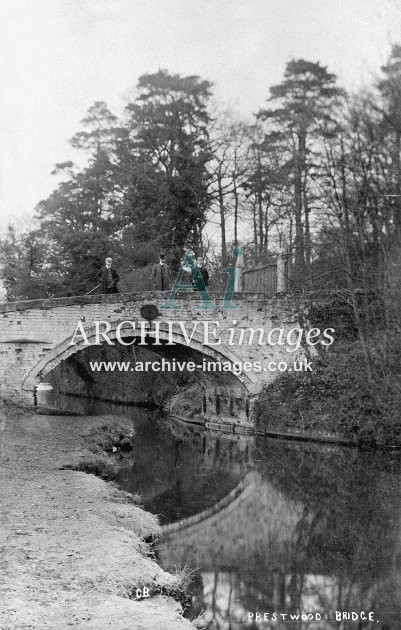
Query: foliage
(111, 432)
(337, 398)
(144, 189)
(302, 110)
(168, 123)
(316, 172)
(24, 269)
(95, 464)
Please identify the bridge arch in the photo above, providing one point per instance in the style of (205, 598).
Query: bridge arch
(63, 350)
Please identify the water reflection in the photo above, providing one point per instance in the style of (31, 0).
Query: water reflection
(178, 470)
(50, 400)
(271, 526)
(274, 526)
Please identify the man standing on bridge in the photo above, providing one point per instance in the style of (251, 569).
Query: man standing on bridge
(108, 277)
(161, 276)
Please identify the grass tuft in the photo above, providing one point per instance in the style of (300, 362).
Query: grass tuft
(176, 587)
(95, 464)
(117, 432)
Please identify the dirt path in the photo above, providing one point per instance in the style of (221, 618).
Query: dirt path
(71, 547)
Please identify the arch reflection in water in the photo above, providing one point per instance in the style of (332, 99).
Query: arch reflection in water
(270, 525)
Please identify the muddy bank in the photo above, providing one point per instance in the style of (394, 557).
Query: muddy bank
(72, 546)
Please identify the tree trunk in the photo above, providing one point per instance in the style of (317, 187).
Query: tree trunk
(255, 227)
(299, 270)
(260, 217)
(236, 204)
(308, 246)
(397, 199)
(266, 222)
(222, 221)
(346, 230)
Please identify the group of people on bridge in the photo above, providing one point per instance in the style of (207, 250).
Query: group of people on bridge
(161, 274)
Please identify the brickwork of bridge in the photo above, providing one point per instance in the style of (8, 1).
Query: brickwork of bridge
(35, 335)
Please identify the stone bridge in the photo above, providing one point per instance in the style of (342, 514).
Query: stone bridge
(36, 335)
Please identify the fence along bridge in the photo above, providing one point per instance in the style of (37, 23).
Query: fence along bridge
(267, 279)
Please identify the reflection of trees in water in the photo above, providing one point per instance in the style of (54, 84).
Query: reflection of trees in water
(224, 605)
(336, 511)
(350, 500)
(220, 614)
(179, 471)
(344, 551)
(349, 528)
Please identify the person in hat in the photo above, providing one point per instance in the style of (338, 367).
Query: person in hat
(108, 276)
(161, 276)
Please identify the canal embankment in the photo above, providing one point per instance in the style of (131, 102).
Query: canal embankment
(336, 401)
(72, 545)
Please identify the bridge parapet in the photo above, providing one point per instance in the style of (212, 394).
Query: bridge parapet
(35, 335)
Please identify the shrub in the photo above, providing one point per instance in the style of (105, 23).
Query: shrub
(337, 397)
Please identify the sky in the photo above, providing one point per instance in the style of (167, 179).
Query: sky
(58, 56)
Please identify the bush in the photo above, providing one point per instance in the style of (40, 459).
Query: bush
(337, 397)
(114, 432)
(136, 280)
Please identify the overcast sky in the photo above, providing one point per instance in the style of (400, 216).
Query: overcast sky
(58, 56)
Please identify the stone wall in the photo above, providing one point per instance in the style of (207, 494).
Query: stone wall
(35, 335)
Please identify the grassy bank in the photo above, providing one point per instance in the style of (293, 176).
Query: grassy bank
(114, 435)
(73, 546)
(338, 398)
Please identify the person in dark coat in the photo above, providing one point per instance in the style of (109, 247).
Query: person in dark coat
(203, 270)
(161, 276)
(108, 277)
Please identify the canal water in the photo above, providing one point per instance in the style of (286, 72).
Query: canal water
(269, 526)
